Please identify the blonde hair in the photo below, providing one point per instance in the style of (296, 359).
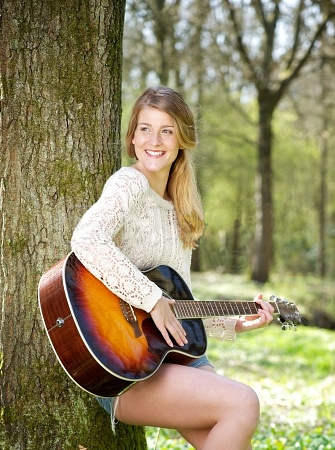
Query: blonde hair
(182, 186)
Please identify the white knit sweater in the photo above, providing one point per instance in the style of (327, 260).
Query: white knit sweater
(131, 229)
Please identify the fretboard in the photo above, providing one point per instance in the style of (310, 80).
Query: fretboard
(200, 309)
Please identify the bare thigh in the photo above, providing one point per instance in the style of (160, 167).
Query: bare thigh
(182, 397)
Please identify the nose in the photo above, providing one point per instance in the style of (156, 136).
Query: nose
(156, 139)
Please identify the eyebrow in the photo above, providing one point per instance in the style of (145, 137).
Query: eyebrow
(149, 125)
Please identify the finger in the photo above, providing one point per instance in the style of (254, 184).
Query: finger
(180, 327)
(171, 331)
(266, 306)
(166, 336)
(177, 332)
(265, 316)
(175, 326)
(172, 328)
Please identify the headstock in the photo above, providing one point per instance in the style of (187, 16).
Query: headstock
(289, 316)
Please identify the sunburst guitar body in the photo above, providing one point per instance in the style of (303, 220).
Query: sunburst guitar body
(105, 345)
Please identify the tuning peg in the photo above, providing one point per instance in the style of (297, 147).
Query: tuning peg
(285, 326)
(288, 326)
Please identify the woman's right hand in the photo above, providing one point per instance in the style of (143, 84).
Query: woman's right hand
(167, 322)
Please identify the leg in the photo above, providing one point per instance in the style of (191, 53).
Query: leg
(212, 412)
(200, 435)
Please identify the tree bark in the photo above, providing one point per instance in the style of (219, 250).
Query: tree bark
(60, 132)
(324, 150)
(262, 252)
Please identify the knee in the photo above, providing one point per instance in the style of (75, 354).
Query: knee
(249, 408)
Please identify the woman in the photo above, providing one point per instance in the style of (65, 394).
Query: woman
(150, 214)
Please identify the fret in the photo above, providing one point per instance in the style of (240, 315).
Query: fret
(183, 312)
(243, 308)
(212, 308)
(216, 308)
(181, 308)
(249, 308)
(231, 308)
(192, 309)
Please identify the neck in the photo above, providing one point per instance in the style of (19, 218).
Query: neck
(157, 181)
(190, 309)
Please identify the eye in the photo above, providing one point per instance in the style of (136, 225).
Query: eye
(143, 128)
(167, 131)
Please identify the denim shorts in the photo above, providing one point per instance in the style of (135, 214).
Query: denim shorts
(108, 402)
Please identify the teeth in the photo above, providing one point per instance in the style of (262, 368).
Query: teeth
(152, 153)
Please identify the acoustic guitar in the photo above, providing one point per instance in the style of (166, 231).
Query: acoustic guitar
(105, 345)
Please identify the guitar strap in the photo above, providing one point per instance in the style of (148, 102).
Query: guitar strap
(130, 317)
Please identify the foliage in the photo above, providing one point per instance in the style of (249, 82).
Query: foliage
(206, 65)
(292, 372)
(296, 157)
(227, 165)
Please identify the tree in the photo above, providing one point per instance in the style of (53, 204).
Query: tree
(316, 117)
(324, 161)
(60, 64)
(150, 40)
(256, 50)
(271, 69)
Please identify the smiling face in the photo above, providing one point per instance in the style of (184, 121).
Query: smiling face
(155, 142)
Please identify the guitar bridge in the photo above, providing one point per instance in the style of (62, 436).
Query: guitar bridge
(130, 317)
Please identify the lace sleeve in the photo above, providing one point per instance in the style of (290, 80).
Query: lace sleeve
(93, 242)
(221, 328)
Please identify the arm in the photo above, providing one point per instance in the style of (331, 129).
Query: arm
(94, 242)
(225, 328)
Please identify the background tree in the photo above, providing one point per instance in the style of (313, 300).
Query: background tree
(248, 53)
(271, 73)
(150, 42)
(60, 66)
(316, 118)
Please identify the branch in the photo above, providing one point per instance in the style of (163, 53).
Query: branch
(286, 81)
(258, 6)
(296, 34)
(269, 28)
(240, 46)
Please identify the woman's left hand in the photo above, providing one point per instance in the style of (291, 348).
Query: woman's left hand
(262, 319)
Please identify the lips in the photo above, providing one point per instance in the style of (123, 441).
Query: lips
(154, 153)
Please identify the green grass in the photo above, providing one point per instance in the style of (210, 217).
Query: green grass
(293, 373)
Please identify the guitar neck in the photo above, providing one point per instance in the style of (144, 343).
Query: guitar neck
(201, 309)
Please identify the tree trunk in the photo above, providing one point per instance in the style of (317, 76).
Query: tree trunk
(200, 12)
(262, 249)
(322, 267)
(271, 77)
(236, 251)
(162, 35)
(60, 63)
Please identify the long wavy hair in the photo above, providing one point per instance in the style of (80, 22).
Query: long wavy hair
(182, 186)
